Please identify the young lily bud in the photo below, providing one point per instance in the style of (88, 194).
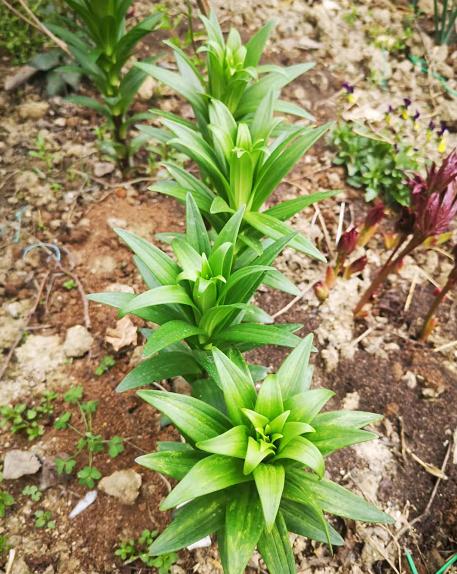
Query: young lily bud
(405, 223)
(347, 242)
(330, 277)
(362, 314)
(355, 267)
(372, 221)
(438, 239)
(321, 290)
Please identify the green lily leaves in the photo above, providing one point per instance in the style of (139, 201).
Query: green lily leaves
(265, 460)
(200, 299)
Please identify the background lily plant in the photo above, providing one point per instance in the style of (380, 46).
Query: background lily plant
(255, 471)
(102, 46)
(200, 299)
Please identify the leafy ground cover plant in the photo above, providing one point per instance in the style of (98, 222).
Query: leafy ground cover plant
(5, 499)
(244, 470)
(102, 46)
(57, 83)
(201, 299)
(434, 205)
(376, 158)
(132, 550)
(44, 519)
(20, 417)
(88, 441)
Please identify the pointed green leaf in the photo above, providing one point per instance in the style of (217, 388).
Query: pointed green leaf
(292, 430)
(172, 463)
(269, 400)
(169, 333)
(277, 280)
(304, 451)
(257, 420)
(215, 315)
(287, 209)
(351, 419)
(232, 443)
(162, 366)
(230, 231)
(238, 389)
(197, 519)
(269, 480)
(329, 438)
(335, 499)
(163, 267)
(305, 406)
(303, 520)
(189, 259)
(211, 474)
(261, 334)
(192, 417)
(169, 445)
(254, 455)
(276, 549)
(292, 373)
(243, 526)
(159, 296)
(272, 227)
(196, 233)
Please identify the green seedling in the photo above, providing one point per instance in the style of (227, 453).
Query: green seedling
(105, 364)
(88, 442)
(23, 418)
(43, 520)
(33, 492)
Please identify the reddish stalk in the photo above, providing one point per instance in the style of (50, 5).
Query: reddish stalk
(387, 268)
(430, 322)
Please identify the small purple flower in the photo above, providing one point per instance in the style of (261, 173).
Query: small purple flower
(416, 116)
(431, 125)
(390, 110)
(443, 129)
(406, 102)
(396, 147)
(416, 149)
(349, 89)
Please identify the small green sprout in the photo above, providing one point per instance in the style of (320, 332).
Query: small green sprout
(43, 519)
(106, 363)
(33, 492)
(69, 285)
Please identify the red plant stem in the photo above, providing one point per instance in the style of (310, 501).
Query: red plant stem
(387, 268)
(434, 306)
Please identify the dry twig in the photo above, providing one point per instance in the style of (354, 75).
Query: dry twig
(292, 303)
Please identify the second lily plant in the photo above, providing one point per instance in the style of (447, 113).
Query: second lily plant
(250, 464)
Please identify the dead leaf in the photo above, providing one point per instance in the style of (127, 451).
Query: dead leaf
(430, 468)
(123, 335)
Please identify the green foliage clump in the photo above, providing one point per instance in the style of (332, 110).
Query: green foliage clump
(257, 472)
(21, 418)
(375, 165)
(17, 37)
(131, 551)
(44, 520)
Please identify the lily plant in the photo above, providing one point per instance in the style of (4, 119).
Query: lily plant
(255, 471)
(234, 76)
(101, 47)
(200, 299)
(242, 167)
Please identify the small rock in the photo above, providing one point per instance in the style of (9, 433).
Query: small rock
(103, 168)
(114, 222)
(392, 409)
(103, 264)
(397, 370)
(40, 355)
(351, 401)
(49, 475)
(18, 463)
(119, 288)
(410, 379)
(33, 110)
(60, 122)
(147, 89)
(20, 567)
(123, 485)
(77, 341)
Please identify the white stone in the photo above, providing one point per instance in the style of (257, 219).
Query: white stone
(78, 341)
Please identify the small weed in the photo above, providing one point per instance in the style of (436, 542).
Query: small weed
(351, 17)
(43, 519)
(42, 154)
(69, 285)
(106, 363)
(33, 492)
(88, 441)
(23, 418)
(4, 547)
(132, 551)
